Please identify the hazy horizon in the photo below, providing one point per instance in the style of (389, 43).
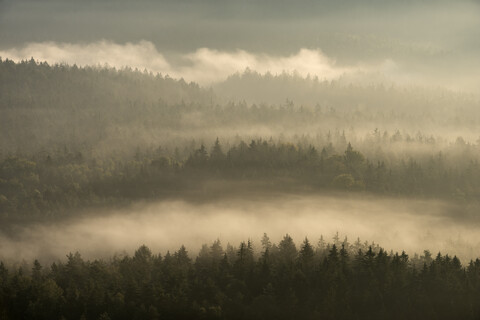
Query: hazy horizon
(429, 43)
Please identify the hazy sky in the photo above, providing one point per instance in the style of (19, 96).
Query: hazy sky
(428, 40)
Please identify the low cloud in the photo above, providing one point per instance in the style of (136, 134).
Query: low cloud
(212, 65)
(204, 66)
(209, 66)
(142, 55)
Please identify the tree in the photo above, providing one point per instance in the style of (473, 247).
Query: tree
(344, 181)
(266, 243)
(306, 256)
(216, 155)
(199, 158)
(354, 161)
(287, 251)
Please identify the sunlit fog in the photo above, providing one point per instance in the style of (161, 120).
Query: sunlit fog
(395, 224)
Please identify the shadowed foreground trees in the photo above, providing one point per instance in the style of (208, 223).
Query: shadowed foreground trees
(338, 281)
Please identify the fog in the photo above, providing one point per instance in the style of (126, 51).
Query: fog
(395, 224)
(432, 42)
(204, 66)
(209, 66)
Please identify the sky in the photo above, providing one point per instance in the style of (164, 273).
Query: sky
(431, 42)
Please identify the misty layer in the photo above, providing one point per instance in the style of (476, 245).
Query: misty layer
(397, 224)
(210, 66)
(205, 66)
(103, 111)
(430, 42)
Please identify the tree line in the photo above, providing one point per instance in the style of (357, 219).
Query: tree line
(51, 184)
(337, 280)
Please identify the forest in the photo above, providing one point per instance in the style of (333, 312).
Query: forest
(76, 142)
(101, 111)
(52, 185)
(68, 142)
(338, 280)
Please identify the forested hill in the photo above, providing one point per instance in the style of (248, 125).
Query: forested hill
(100, 110)
(361, 93)
(75, 137)
(43, 106)
(31, 84)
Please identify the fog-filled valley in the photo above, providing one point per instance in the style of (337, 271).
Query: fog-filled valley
(78, 140)
(239, 159)
(395, 224)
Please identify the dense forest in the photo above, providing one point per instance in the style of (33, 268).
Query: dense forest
(328, 281)
(100, 111)
(51, 185)
(74, 138)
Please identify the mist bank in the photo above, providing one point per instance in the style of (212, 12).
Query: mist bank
(209, 66)
(434, 38)
(395, 224)
(204, 66)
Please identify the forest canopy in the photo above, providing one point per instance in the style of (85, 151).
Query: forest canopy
(75, 137)
(339, 280)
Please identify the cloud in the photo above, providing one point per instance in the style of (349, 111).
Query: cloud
(208, 66)
(204, 66)
(142, 55)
